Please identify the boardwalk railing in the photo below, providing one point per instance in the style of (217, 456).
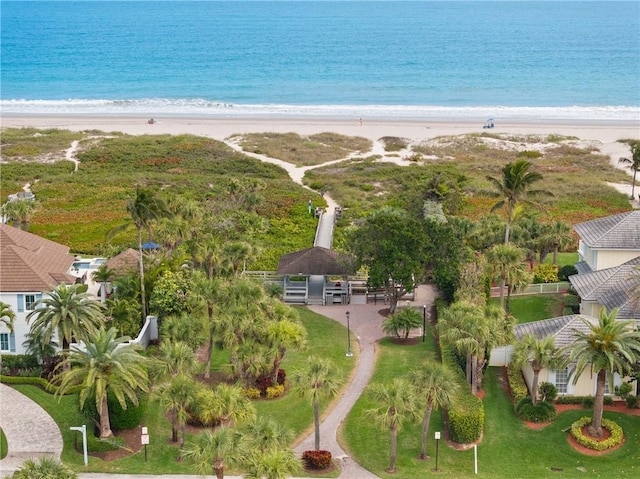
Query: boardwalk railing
(537, 288)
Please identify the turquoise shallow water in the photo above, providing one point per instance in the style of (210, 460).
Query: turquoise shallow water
(529, 59)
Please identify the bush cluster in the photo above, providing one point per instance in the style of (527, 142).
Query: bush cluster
(571, 304)
(566, 271)
(119, 418)
(252, 393)
(545, 273)
(548, 392)
(275, 391)
(542, 411)
(316, 459)
(616, 437)
(516, 384)
(264, 383)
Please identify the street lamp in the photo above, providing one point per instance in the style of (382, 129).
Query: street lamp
(349, 353)
(437, 443)
(83, 430)
(424, 322)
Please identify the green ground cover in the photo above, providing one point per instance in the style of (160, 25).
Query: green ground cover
(564, 259)
(4, 448)
(528, 308)
(508, 448)
(161, 452)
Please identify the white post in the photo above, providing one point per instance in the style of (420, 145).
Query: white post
(83, 430)
(475, 457)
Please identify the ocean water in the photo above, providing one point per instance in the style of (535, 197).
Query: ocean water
(521, 59)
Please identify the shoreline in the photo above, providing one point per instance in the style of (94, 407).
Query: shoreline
(220, 128)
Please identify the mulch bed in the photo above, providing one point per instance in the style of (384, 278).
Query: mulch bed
(132, 445)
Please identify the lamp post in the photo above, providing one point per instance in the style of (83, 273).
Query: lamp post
(437, 443)
(349, 353)
(83, 430)
(424, 322)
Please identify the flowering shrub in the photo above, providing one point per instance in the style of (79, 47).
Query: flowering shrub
(316, 459)
(616, 437)
(252, 393)
(275, 391)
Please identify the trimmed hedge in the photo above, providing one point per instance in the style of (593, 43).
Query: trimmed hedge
(617, 436)
(517, 385)
(40, 382)
(316, 459)
(19, 361)
(586, 401)
(466, 416)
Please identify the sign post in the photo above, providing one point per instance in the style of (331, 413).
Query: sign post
(144, 440)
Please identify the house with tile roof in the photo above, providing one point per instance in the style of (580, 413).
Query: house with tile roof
(29, 266)
(609, 267)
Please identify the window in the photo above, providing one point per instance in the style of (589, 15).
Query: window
(562, 380)
(29, 301)
(4, 342)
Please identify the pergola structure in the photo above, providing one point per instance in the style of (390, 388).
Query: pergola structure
(307, 276)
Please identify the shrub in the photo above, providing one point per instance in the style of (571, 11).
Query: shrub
(588, 402)
(539, 412)
(529, 154)
(262, 383)
(316, 459)
(632, 401)
(624, 390)
(122, 419)
(282, 376)
(616, 434)
(466, 419)
(40, 382)
(545, 273)
(252, 393)
(566, 271)
(572, 302)
(548, 392)
(275, 391)
(516, 384)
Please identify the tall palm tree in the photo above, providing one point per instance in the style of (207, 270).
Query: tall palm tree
(209, 290)
(213, 451)
(104, 365)
(514, 188)
(608, 347)
(226, 403)
(397, 403)
(177, 397)
(633, 163)
(539, 353)
(236, 253)
(273, 464)
(501, 259)
(316, 381)
(437, 387)
(283, 335)
(70, 311)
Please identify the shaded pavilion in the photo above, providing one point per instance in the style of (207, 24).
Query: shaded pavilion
(316, 275)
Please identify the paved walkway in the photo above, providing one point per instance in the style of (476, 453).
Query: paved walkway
(30, 431)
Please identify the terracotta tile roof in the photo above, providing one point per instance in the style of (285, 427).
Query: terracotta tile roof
(316, 260)
(621, 231)
(611, 288)
(562, 328)
(125, 262)
(30, 263)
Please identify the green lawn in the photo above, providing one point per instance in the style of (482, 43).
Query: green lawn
(508, 448)
(528, 308)
(3, 445)
(563, 259)
(161, 452)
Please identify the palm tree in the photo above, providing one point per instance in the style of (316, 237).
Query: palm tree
(283, 335)
(213, 451)
(608, 347)
(558, 236)
(226, 403)
(501, 259)
(21, 211)
(144, 208)
(633, 163)
(315, 382)
(437, 387)
(398, 402)
(236, 253)
(209, 289)
(43, 468)
(103, 275)
(106, 364)
(173, 358)
(177, 397)
(514, 188)
(7, 317)
(402, 322)
(265, 433)
(273, 464)
(540, 353)
(70, 311)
